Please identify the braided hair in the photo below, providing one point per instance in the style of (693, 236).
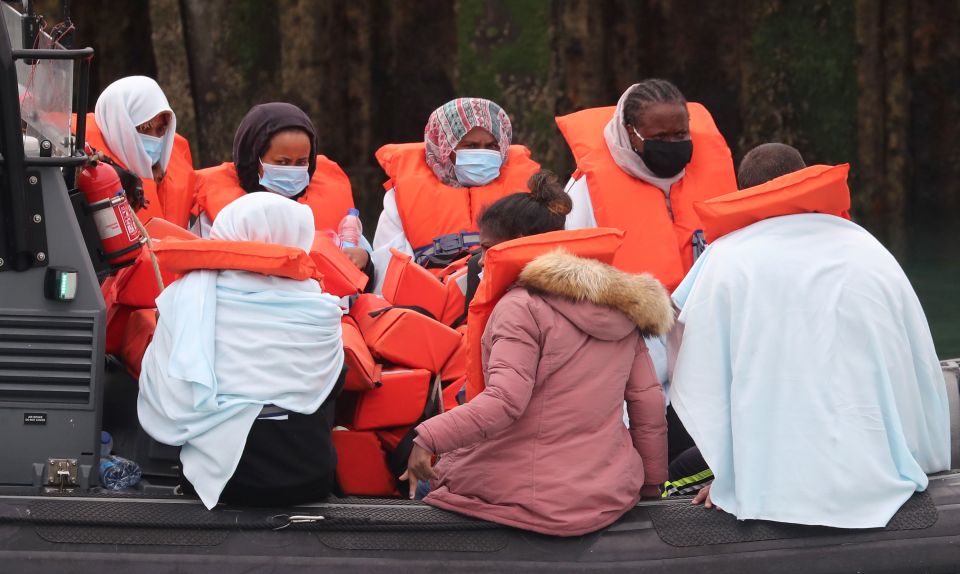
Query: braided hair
(520, 214)
(648, 92)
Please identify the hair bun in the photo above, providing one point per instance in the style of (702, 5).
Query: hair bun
(545, 189)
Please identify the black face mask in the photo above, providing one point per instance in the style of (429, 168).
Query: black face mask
(666, 158)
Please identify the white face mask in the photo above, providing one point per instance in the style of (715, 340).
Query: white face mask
(285, 180)
(153, 146)
(477, 167)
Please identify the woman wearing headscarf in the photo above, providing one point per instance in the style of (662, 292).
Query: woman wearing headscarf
(640, 167)
(437, 188)
(244, 368)
(135, 127)
(275, 150)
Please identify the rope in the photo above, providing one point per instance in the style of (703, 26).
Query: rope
(148, 245)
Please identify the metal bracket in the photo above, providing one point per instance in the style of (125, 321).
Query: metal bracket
(62, 473)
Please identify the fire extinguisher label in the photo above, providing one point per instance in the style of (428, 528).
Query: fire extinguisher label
(107, 223)
(133, 234)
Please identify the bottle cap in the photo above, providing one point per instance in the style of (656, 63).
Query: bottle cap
(353, 211)
(105, 437)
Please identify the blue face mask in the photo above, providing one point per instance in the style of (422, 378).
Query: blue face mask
(153, 146)
(285, 180)
(476, 167)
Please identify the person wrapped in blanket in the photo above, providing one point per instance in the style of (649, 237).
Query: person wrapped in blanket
(806, 372)
(244, 369)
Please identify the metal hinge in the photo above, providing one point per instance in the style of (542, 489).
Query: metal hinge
(62, 473)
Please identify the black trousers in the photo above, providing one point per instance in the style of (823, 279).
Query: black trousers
(286, 462)
(678, 440)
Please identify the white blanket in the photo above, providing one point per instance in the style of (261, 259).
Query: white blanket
(807, 375)
(229, 342)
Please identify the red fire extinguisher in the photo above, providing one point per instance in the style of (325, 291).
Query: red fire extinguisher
(119, 236)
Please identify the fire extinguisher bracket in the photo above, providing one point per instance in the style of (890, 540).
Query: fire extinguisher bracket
(120, 239)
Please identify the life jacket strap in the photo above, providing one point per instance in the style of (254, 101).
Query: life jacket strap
(445, 249)
(699, 244)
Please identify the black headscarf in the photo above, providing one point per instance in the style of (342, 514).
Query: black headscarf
(256, 130)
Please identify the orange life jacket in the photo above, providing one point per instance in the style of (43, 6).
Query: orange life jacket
(340, 276)
(177, 256)
(180, 256)
(399, 400)
(173, 199)
(815, 189)
(137, 284)
(655, 241)
(362, 465)
(363, 372)
(502, 264)
(329, 194)
(139, 333)
(430, 209)
(404, 336)
(436, 290)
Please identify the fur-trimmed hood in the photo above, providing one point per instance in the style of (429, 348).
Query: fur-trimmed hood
(640, 298)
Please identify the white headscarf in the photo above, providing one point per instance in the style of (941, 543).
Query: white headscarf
(229, 342)
(618, 142)
(124, 105)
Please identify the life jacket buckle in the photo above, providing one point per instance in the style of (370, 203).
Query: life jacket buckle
(449, 244)
(699, 244)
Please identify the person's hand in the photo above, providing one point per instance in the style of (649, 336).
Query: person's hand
(703, 497)
(419, 467)
(358, 255)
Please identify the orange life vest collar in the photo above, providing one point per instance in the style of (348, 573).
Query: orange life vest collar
(173, 198)
(502, 265)
(329, 194)
(181, 256)
(429, 209)
(815, 189)
(659, 238)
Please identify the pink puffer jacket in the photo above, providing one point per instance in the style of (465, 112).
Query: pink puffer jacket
(544, 447)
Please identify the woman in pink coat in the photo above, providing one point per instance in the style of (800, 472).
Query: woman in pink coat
(544, 447)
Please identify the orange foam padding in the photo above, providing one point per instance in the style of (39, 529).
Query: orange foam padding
(815, 189)
(456, 365)
(340, 276)
(363, 372)
(362, 465)
(450, 393)
(456, 297)
(411, 339)
(361, 308)
(182, 256)
(117, 318)
(137, 285)
(399, 401)
(390, 438)
(139, 333)
(406, 283)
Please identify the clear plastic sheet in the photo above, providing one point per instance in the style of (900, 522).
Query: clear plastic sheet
(46, 88)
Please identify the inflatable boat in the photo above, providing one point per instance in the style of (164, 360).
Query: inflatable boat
(57, 393)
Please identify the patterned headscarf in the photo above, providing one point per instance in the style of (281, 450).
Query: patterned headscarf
(451, 121)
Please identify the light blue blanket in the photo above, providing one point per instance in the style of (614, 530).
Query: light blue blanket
(807, 375)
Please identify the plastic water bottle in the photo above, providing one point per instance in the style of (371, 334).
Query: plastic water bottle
(117, 473)
(350, 229)
(106, 444)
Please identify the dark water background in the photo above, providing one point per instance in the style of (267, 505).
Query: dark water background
(928, 251)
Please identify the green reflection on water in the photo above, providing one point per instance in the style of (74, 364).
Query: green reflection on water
(927, 251)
